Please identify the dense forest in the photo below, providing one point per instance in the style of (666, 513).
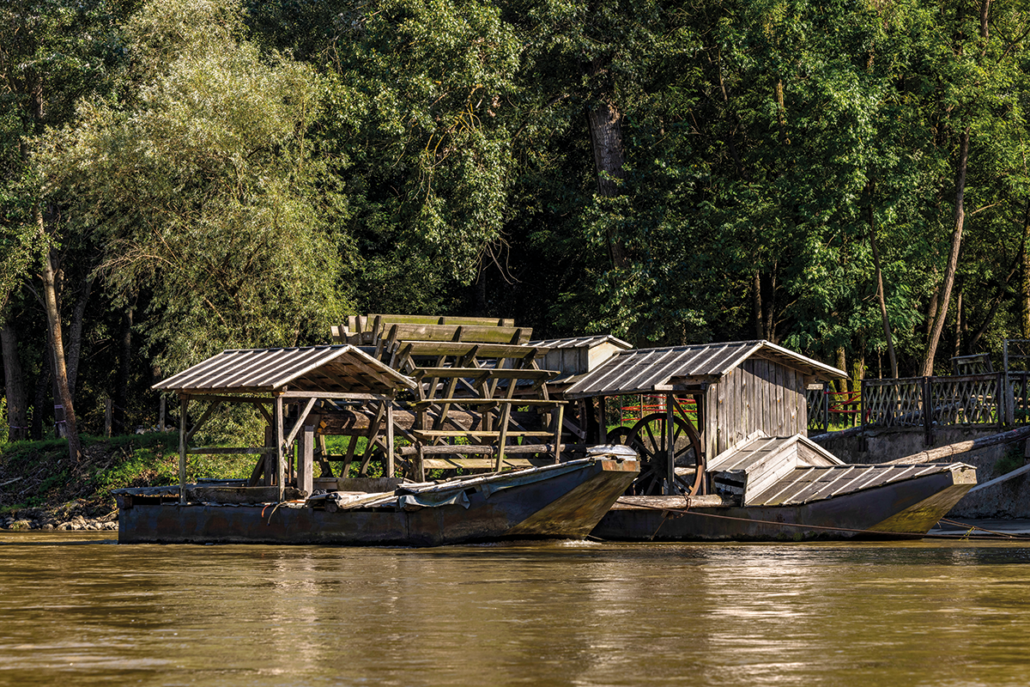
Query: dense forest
(177, 177)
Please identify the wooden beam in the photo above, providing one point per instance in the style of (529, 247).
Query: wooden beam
(670, 433)
(305, 460)
(389, 468)
(183, 406)
(226, 399)
(337, 394)
(955, 449)
(214, 405)
(487, 449)
(219, 450)
(557, 434)
(349, 457)
(280, 465)
(300, 421)
(265, 413)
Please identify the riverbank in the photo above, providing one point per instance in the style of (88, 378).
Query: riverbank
(42, 488)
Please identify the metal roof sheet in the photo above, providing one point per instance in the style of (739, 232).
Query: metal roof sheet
(582, 342)
(806, 484)
(331, 369)
(649, 369)
(759, 446)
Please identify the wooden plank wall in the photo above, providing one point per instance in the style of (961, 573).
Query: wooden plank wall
(760, 394)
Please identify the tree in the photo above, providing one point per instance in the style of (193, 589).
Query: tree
(204, 187)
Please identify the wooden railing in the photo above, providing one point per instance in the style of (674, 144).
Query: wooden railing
(818, 407)
(927, 401)
(1019, 395)
(827, 407)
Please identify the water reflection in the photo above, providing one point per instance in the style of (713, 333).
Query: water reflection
(584, 614)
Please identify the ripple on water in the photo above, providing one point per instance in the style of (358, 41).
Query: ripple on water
(79, 611)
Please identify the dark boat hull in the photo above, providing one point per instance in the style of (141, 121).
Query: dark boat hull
(567, 505)
(897, 511)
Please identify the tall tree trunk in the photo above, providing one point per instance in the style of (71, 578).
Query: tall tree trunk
(842, 364)
(769, 306)
(1025, 285)
(14, 382)
(858, 366)
(39, 399)
(75, 333)
(880, 296)
(956, 245)
(119, 418)
(958, 320)
(53, 316)
(931, 310)
(606, 138)
(756, 288)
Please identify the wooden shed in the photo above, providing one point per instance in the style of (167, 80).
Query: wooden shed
(738, 387)
(579, 355)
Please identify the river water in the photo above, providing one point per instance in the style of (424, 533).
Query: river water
(78, 609)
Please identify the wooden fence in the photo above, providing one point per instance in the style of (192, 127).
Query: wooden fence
(959, 400)
(828, 407)
(818, 407)
(925, 402)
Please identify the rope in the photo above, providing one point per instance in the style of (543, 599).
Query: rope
(901, 535)
(982, 529)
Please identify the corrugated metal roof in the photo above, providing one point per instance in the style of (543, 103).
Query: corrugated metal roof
(759, 446)
(807, 484)
(582, 342)
(647, 370)
(331, 369)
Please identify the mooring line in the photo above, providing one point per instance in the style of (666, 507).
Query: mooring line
(982, 529)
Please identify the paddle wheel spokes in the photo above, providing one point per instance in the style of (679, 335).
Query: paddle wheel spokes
(650, 438)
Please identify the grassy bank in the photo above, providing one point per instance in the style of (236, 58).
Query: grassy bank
(39, 475)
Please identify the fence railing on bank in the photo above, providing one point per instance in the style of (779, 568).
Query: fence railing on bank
(993, 399)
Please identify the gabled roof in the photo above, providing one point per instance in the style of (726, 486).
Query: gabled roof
(807, 484)
(328, 369)
(759, 447)
(582, 342)
(653, 370)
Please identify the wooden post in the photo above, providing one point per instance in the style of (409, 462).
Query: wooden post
(161, 414)
(268, 476)
(306, 460)
(1006, 399)
(107, 417)
(390, 469)
(559, 418)
(420, 470)
(280, 464)
(183, 406)
(1004, 392)
(602, 421)
(670, 446)
(861, 404)
(927, 411)
(502, 437)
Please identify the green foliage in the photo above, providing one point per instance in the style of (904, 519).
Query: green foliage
(243, 174)
(205, 187)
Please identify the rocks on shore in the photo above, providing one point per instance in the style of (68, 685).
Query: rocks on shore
(35, 520)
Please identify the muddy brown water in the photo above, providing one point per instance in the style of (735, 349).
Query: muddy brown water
(78, 609)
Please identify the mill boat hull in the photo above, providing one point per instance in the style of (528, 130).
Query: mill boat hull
(901, 510)
(563, 501)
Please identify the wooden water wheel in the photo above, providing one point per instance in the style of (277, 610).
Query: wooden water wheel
(650, 438)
